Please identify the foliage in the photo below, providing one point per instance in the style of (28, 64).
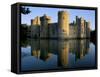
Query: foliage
(23, 31)
(25, 10)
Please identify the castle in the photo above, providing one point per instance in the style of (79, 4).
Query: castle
(42, 27)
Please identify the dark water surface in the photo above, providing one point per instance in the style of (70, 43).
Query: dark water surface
(56, 54)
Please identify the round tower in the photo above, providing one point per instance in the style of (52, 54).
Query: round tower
(88, 29)
(82, 27)
(63, 24)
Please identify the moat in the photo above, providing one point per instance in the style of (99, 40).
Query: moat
(56, 54)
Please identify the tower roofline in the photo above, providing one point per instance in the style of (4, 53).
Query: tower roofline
(63, 11)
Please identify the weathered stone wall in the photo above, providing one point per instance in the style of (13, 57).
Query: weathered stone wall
(53, 30)
(73, 31)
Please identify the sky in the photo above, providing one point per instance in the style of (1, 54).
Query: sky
(88, 15)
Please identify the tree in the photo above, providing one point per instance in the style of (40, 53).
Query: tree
(25, 10)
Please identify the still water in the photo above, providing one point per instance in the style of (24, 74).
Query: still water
(56, 54)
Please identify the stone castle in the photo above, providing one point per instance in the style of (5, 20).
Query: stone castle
(42, 27)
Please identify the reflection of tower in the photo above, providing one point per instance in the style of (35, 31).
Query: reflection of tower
(36, 53)
(35, 48)
(87, 45)
(79, 52)
(45, 20)
(83, 48)
(63, 52)
(63, 24)
(86, 49)
(45, 54)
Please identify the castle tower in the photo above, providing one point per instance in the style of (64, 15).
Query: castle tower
(85, 28)
(35, 21)
(88, 29)
(63, 24)
(78, 26)
(45, 20)
(77, 20)
(35, 25)
(81, 28)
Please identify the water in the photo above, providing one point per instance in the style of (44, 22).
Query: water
(57, 54)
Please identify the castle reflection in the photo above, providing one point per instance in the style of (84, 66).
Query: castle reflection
(44, 49)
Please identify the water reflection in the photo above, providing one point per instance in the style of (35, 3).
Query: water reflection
(55, 54)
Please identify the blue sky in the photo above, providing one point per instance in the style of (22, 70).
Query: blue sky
(88, 15)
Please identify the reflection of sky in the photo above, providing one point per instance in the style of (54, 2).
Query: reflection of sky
(88, 15)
